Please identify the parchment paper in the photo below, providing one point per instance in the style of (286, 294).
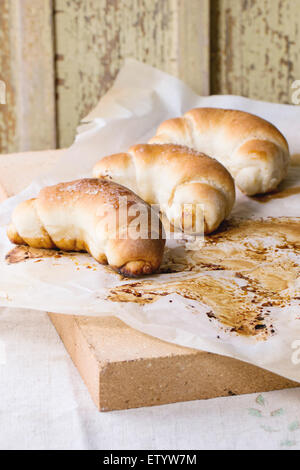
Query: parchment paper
(238, 295)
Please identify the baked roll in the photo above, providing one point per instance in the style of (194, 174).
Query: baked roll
(253, 150)
(96, 216)
(194, 191)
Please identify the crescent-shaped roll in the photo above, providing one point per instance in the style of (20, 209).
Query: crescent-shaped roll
(96, 216)
(253, 150)
(195, 192)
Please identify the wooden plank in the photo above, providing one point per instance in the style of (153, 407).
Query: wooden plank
(32, 165)
(123, 368)
(194, 44)
(93, 38)
(27, 121)
(8, 140)
(255, 48)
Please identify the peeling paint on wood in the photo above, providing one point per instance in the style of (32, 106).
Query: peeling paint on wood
(7, 111)
(93, 37)
(255, 48)
(27, 121)
(254, 52)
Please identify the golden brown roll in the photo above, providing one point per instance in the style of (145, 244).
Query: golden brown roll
(186, 184)
(253, 150)
(96, 216)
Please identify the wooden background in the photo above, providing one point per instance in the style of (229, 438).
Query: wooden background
(58, 57)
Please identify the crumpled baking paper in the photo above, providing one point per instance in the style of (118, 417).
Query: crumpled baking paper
(238, 295)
